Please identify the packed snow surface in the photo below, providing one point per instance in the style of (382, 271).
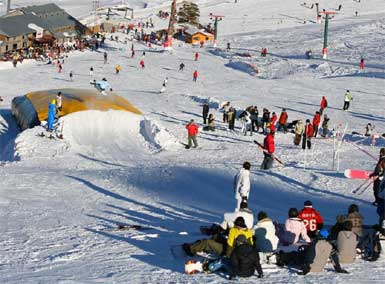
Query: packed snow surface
(61, 200)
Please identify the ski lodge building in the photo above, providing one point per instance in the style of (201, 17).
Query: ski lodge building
(196, 36)
(34, 25)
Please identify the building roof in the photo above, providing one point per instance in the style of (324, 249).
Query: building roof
(18, 25)
(192, 31)
(42, 9)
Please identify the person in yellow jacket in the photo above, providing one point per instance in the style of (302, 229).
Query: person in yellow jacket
(118, 68)
(220, 246)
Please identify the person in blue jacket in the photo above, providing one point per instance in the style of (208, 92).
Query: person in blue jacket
(51, 115)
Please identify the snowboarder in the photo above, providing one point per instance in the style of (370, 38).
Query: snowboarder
(307, 135)
(91, 71)
(105, 57)
(312, 219)
(205, 112)
(196, 56)
(242, 184)
(192, 130)
(141, 63)
(323, 105)
(362, 65)
(316, 123)
(325, 126)
(282, 122)
(195, 75)
(163, 89)
(181, 66)
(348, 98)
(71, 76)
(377, 175)
(268, 151)
(117, 69)
(51, 115)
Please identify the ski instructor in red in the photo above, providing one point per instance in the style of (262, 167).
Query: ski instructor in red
(268, 150)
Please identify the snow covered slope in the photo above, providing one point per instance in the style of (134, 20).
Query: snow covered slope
(61, 200)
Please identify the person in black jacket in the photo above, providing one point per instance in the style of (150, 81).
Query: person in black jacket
(205, 112)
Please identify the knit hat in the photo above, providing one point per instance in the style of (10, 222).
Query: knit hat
(240, 240)
(240, 222)
(308, 203)
(262, 215)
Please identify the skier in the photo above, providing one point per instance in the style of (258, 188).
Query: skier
(60, 68)
(91, 71)
(362, 64)
(195, 75)
(105, 57)
(299, 129)
(316, 122)
(325, 126)
(228, 46)
(348, 98)
(264, 52)
(117, 69)
(141, 63)
(312, 219)
(268, 151)
(163, 89)
(242, 184)
(181, 66)
(71, 76)
(324, 104)
(377, 175)
(282, 122)
(192, 130)
(196, 56)
(51, 115)
(205, 112)
(273, 120)
(307, 135)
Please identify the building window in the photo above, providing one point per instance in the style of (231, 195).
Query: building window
(14, 46)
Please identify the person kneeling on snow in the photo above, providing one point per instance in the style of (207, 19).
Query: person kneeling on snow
(243, 261)
(220, 246)
(211, 123)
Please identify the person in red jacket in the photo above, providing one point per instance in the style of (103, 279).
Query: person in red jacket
(141, 63)
(192, 131)
(312, 219)
(316, 122)
(196, 56)
(324, 104)
(273, 118)
(362, 64)
(282, 122)
(307, 135)
(195, 75)
(268, 151)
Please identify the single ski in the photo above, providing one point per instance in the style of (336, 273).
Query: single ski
(273, 156)
(357, 174)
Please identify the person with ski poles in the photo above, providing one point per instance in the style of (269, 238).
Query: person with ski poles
(377, 176)
(268, 150)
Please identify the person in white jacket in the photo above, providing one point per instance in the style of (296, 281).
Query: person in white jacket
(244, 212)
(264, 232)
(242, 184)
(247, 123)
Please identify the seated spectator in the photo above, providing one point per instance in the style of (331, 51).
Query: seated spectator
(312, 219)
(346, 244)
(356, 218)
(294, 229)
(264, 233)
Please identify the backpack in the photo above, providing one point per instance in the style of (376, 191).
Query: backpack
(371, 246)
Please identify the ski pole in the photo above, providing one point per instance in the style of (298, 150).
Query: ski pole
(360, 186)
(366, 187)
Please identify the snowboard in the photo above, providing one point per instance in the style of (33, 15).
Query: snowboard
(357, 174)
